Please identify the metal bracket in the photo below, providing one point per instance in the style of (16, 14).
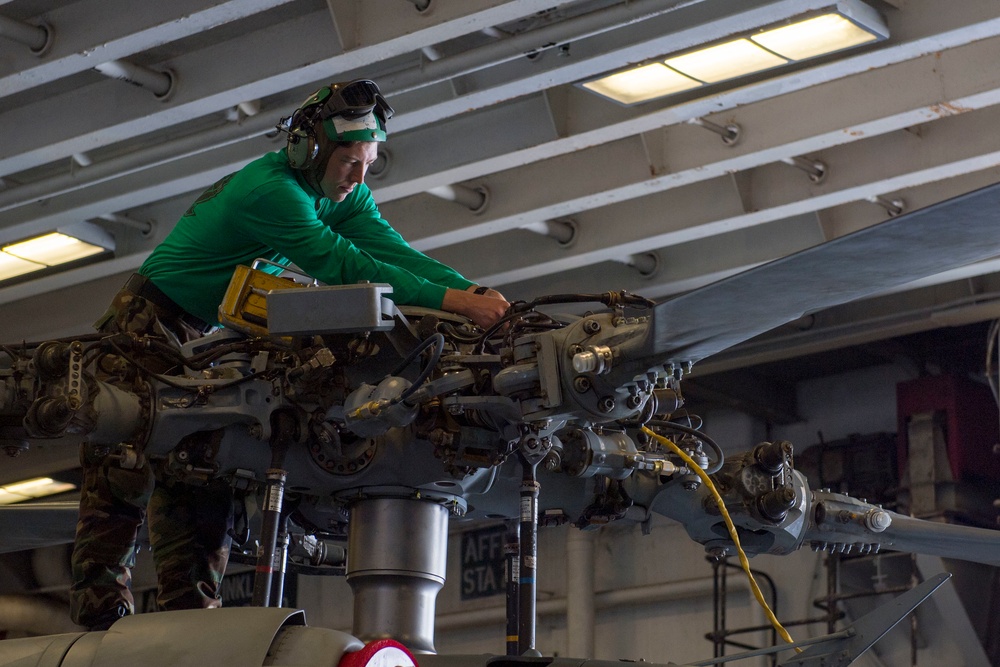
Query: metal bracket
(730, 133)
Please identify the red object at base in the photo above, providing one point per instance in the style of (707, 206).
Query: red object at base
(380, 653)
(970, 422)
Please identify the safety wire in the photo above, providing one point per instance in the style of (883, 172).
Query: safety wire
(744, 563)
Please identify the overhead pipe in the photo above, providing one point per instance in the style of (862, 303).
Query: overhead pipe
(730, 133)
(38, 38)
(892, 206)
(814, 168)
(249, 107)
(563, 231)
(245, 109)
(431, 53)
(159, 83)
(646, 263)
(474, 199)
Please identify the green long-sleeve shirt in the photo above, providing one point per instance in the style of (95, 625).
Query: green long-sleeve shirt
(267, 210)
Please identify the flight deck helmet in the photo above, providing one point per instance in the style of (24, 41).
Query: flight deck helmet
(351, 111)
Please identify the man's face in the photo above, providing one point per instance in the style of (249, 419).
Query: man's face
(347, 168)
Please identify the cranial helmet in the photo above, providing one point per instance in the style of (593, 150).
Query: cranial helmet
(352, 111)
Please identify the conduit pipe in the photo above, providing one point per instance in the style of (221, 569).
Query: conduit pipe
(35, 615)
(646, 263)
(474, 199)
(563, 231)
(815, 169)
(893, 207)
(580, 612)
(656, 593)
(35, 37)
(160, 84)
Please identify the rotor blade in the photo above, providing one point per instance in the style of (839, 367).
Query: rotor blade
(901, 532)
(922, 243)
(36, 525)
(979, 545)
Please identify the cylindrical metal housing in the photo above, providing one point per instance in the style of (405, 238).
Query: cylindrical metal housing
(396, 560)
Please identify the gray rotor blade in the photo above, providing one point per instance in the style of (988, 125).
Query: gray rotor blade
(944, 236)
(36, 525)
(979, 545)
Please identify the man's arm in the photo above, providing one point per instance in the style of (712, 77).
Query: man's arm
(482, 309)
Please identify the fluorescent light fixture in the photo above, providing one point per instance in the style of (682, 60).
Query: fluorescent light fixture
(642, 83)
(67, 244)
(11, 267)
(725, 61)
(51, 249)
(813, 37)
(32, 489)
(842, 25)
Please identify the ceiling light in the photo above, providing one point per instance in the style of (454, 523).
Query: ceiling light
(641, 84)
(31, 489)
(51, 249)
(725, 61)
(68, 244)
(11, 266)
(827, 33)
(842, 25)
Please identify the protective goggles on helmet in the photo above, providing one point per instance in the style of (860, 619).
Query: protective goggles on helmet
(355, 99)
(352, 111)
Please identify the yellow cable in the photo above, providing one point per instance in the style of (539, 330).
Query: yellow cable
(744, 563)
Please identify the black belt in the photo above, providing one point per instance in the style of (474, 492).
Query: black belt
(140, 285)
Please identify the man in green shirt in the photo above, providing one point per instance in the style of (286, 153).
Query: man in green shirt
(308, 205)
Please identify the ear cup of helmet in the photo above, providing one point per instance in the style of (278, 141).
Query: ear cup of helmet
(302, 149)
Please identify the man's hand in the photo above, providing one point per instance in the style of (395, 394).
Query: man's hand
(483, 309)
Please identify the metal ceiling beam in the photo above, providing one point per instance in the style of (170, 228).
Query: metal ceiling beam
(394, 190)
(683, 262)
(691, 155)
(691, 148)
(912, 72)
(666, 29)
(856, 171)
(92, 32)
(800, 123)
(187, 164)
(130, 191)
(970, 21)
(257, 65)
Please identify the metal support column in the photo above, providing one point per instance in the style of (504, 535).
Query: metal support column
(267, 554)
(528, 583)
(512, 555)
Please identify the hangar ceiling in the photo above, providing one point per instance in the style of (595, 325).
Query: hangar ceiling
(558, 190)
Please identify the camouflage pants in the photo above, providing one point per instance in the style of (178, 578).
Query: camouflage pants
(189, 526)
